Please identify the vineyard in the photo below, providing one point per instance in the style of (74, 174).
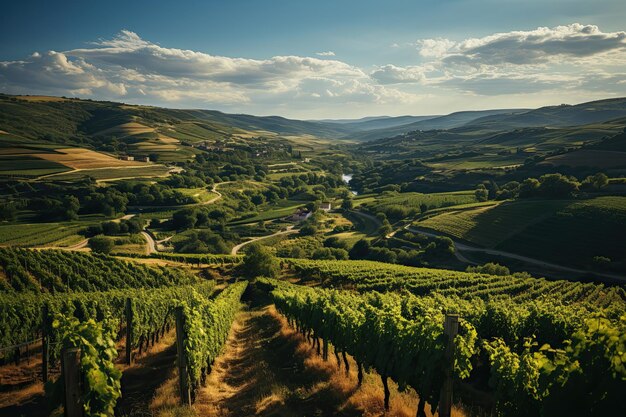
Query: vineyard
(525, 343)
(402, 337)
(138, 306)
(53, 271)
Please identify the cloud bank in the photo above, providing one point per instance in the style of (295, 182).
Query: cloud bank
(575, 58)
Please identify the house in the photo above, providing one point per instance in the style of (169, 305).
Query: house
(127, 158)
(306, 160)
(326, 206)
(300, 215)
(144, 159)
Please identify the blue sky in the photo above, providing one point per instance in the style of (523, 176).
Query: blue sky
(318, 59)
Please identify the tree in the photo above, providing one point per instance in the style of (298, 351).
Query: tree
(308, 230)
(8, 212)
(596, 181)
(347, 204)
(260, 262)
(71, 205)
(360, 250)
(481, 193)
(529, 187)
(385, 229)
(335, 242)
(489, 268)
(101, 244)
(557, 185)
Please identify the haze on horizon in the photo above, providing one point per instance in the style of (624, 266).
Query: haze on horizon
(318, 60)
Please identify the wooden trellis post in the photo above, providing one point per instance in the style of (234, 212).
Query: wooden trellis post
(451, 329)
(129, 331)
(45, 343)
(185, 393)
(72, 380)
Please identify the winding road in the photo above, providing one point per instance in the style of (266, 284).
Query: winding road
(236, 248)
(462, 247)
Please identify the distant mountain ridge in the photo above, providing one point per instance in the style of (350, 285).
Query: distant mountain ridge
(62, 120)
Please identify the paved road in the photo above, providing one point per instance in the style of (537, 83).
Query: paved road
(254, 239)
(462, 247)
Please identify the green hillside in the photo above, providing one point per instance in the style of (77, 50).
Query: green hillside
(567, 231)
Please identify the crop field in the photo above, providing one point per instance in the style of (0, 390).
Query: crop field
(28, 166)
(398, 206)
(481, 161)
(78, 158)
(589, 158)
(127, 129)
(490, 225)
(556, 230)
(576, 234)
(271, 213)
(110, 174)
(50, 234)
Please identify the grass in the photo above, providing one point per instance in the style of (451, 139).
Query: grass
(565, 231)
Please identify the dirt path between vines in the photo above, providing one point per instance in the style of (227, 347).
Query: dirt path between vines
(269, 370)
(266, 371)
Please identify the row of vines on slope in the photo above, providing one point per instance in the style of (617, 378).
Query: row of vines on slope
(55, 271)
(21, 317)
(401, 336)
(207, 323)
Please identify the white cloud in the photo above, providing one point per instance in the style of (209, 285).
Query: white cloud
(434, 48)
(130, 67)
(572, 59)
(391, 74)
(517, 61)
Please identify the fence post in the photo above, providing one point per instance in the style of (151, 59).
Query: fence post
(185, 394)
(72, 381)
(129, 331)
(45, 343)
(451, 329)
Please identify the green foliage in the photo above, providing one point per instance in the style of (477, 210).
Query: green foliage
(400, 337)
(489, 268)
(207, 324)
(56, 271)
(101, 379)
(101, 244)
(260, 262)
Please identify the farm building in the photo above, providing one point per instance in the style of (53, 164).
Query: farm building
(143, 159)
(300, 215)
(127, 158)
(326, 206)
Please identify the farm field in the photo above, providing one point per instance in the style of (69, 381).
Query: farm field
(589, 158)
(536, 228)
(42, 234)
(474, 264)
(115, 173)
(29, 166)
